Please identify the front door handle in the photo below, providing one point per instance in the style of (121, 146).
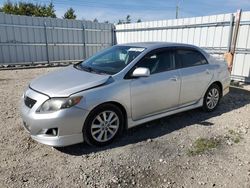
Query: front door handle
(208, 71)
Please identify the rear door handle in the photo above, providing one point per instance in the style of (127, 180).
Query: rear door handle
(175, 78)
(208, 71)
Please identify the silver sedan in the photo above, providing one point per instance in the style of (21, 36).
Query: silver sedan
(119, 88)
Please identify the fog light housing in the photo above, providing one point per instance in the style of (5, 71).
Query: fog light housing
(52, 132)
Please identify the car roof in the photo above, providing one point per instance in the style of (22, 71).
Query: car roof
(155, 45)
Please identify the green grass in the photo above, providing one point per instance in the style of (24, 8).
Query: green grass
(234, 136)
(231, 131)
(202, 145)
(236, 140)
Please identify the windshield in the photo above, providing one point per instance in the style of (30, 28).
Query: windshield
(111, 60)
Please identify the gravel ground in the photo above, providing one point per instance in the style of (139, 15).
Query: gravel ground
(162, 153)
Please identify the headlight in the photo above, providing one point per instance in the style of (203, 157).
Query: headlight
(55, 104)
(24, 92)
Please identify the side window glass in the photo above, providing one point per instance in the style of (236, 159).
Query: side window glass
(189, 58)
(157, 62)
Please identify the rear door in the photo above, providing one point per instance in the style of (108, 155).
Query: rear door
(158, 92)
(195, 73)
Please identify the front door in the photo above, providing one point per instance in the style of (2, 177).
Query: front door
(158, 92)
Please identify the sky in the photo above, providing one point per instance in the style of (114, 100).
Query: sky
(146, 10)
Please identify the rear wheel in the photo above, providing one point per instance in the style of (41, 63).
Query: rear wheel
(212, 98)
(103, 125)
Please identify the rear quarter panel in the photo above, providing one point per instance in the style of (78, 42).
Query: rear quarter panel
(221, 72)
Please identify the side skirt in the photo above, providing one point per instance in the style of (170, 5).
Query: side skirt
(132, 123)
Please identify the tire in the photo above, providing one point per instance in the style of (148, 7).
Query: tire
(212, 98)
(97, 131)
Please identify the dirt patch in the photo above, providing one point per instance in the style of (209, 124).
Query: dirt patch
(6, 79)
(151, 155)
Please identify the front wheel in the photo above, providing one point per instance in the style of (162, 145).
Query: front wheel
(212, 98)
(103, 125)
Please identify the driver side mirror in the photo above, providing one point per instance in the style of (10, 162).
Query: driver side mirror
(141, 72)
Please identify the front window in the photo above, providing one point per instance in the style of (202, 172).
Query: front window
(158, 62)
(112, 60)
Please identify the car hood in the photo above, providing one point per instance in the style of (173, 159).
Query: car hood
(66, 81)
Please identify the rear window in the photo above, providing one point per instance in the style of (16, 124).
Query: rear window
(189, 58)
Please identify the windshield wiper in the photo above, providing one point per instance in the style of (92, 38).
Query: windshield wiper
(97, 71)
(80, 67)
(88, 69)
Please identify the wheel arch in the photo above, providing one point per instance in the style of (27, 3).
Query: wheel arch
(119, 105)
(218, 83)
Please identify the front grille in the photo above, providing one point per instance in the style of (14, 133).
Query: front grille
(29, 102)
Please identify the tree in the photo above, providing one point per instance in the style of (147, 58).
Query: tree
(106, 21)
(120, 22)
(95, 20)
(70, 14)
(8, 8)
(50, 11)
(29, 9)
(139, 20)
(128, 19)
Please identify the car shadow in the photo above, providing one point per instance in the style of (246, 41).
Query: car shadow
(236, 98)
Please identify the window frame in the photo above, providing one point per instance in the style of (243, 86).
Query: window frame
(158, 50)
(188, 49)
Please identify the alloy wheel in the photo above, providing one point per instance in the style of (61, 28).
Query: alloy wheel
(105, 126)
(212, 98)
